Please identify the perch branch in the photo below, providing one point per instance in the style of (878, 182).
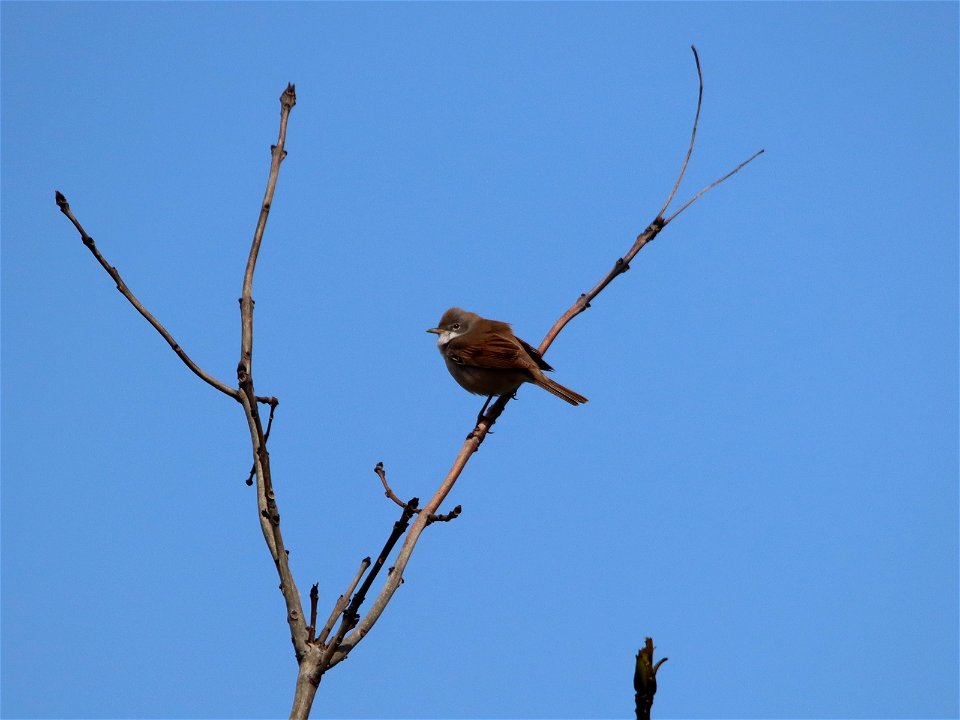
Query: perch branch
(128, 294)
(486, 421)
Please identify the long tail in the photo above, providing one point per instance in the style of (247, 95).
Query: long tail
(564, 393)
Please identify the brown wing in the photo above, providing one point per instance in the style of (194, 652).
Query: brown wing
(535, 355)
(497, 351)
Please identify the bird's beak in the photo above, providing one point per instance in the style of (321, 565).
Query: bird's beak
(435, 331)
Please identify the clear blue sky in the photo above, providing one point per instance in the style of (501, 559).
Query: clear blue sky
(765, 479)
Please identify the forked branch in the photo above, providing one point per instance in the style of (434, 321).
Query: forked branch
(622, 264)
(266, 500)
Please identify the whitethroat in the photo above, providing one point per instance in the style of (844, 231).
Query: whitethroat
(486, 358)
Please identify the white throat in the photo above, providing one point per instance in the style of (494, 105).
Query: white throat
(446, 336)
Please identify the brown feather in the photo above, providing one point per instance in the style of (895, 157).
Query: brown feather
(497, 351)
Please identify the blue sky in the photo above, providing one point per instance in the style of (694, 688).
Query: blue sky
(765, 479)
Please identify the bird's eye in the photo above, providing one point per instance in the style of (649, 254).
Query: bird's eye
(455, 326)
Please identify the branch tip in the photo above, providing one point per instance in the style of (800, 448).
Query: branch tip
(289, 97)
(693, 135)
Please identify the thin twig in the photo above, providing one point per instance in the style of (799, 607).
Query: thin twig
(128, 294)
(445, 517)
(342, 601)
(287, 100)
(388, 491)
(712, 185)
(693, 136)
(314, 599)
(273, 402)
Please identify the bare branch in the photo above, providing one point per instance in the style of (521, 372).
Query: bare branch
(128, 294)
(351, 615)
(266, 498)
(287, 100)
(395, 578)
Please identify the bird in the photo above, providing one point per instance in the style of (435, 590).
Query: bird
(486, 358)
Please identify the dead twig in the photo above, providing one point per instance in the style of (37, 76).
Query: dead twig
(645, 679)
(314, 599)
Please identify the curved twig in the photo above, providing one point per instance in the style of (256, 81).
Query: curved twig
(693, 136)
(387, 490)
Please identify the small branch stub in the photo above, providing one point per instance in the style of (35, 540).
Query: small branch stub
(645, 679)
